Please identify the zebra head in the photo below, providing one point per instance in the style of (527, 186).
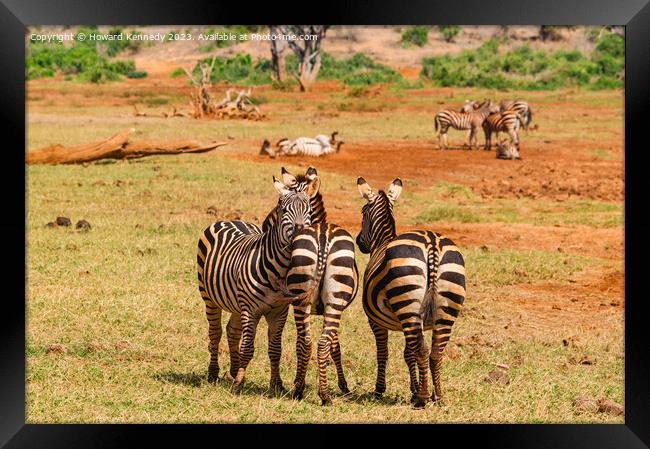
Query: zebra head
(294, 210)
(377, 222)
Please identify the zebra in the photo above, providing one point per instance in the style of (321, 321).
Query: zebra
(521, 107)
(463, 121)
(323, 279)
(506, 150)
(320, 145)
(238, 267)
(413, 282)
(506, 121)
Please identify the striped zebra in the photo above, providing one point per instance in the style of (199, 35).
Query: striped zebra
(471, 121)
(238, 271)
(320, 145)
(323, 277)
(506, 121)
(521, 107)
(413, 282)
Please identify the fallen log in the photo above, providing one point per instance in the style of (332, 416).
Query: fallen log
(117, 146)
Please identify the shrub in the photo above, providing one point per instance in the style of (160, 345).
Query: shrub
(178, 71)
(417, 35)
(80, 59)
(526, 68)
(449, 32)
(136, 74)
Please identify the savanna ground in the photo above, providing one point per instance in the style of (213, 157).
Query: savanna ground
(116, 329)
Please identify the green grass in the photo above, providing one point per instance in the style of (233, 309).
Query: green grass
(453, 203)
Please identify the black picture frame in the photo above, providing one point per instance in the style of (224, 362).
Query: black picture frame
(16, 15)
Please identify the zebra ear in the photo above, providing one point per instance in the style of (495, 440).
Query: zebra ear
(311, 173)
(287, 178)
(280, 188)
(313, 186)
(365, 190)
(394, 189)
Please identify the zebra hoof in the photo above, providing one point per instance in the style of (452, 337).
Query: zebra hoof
(237, 387)
(325, 401)
(228, 377)
(277, 389)
(378, 394)
(213, 377)
(420, 402)
(298, 394)
(344, 389)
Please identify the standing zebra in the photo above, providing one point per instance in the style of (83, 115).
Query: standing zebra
(471, 120)
(521, 107)
(324, 279)
(506, 121)
(238, 269)
(413, 282)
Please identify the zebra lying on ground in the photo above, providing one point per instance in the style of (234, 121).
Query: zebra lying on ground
(304, 146)
(471, 120)
(413, 282)
(238, 268)
(507, 150)
(323, 278)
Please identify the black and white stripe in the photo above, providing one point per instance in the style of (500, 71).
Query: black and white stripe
(239, 268)
(413, 282)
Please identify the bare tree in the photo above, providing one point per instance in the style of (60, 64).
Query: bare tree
(278, 48)
(306, 47)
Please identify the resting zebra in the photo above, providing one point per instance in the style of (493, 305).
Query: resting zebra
(413, 282)
(238, 271)
(507, 150)
(320, 145)
(507, 121)
(463, 121)
(324, 275)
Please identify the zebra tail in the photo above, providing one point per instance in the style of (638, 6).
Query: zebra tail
(428, 307)
(530, 117)
(435, 121)
(307, 297)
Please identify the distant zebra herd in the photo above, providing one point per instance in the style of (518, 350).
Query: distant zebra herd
(413, 282)
(507, 116)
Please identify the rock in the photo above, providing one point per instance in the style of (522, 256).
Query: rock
(51, 224)
(610, 407)
(83, 225)
(122, 344)
(587, 360)
(63, 221)
(55, 348)
(497, 376)
(585, 404)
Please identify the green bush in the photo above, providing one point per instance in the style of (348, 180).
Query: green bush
(358, 70)
(449, 32)
(527, 68)
(81, 59)
(178, 71)
(136, 74)
(415, 36)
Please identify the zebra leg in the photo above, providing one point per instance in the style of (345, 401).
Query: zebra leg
(409, 358)
(249, 321)
(415, 342)
(213, 314)
(381, 340)
(302, 316)
(336, 356)
(514, 138)
(276, 320)
(233, 331)
(435, 361)
(331, 319)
